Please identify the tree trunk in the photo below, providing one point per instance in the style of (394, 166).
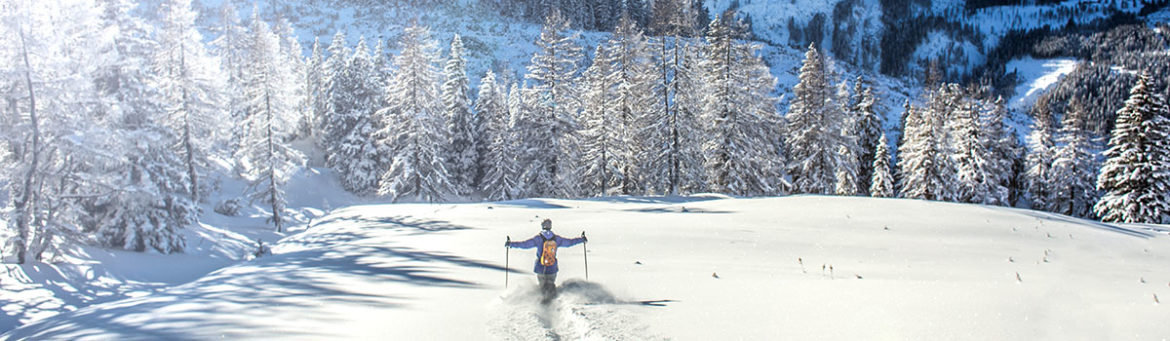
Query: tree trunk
(188, 145)
(22, 205)
(272, 166)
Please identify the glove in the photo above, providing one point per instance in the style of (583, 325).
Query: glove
(583, 237)
(508, 243)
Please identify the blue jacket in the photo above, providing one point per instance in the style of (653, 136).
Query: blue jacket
(538, 240)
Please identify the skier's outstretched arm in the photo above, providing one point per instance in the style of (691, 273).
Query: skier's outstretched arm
(527, 244)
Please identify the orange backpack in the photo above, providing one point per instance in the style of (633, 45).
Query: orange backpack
(548, 257)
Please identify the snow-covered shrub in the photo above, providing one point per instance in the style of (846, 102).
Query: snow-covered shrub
(230, 207)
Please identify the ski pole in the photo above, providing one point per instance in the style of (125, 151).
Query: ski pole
(507, 254)
(585, 248)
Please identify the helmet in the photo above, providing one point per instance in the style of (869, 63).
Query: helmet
(546, 224)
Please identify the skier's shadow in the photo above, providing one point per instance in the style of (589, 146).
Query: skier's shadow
(596, 294)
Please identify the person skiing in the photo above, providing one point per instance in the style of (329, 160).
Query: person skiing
(546, 244)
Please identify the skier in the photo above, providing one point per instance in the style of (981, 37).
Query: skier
(546, 244)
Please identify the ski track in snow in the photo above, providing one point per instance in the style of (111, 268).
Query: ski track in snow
(581, 311)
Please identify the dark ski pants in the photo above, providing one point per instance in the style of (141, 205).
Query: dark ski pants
(548, 284)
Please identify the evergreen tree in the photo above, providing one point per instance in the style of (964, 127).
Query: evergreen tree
(867, 129)
(1074, 168)
(188, 79)
(882, 182)
(336, 100)
(1002, 147)
(846, 184)
(677, 101)
(463, 146)
(150, 206)
(315, 77)
(740, 112)
(414, 129)
(925, 172)
(230, 46)
(685, 158)
(357, 156)
(1041, 153)
(972, 159)
(602, 140)
(499, 167)
(269, 85)
(634, 91)
(816, 131)
(551, 141)
(1135, 175)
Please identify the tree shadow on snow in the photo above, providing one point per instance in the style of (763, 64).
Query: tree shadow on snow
(1095, 224)
(531, 203)
(257, 298)
(415, 225)
(679, 209)
(671, 199)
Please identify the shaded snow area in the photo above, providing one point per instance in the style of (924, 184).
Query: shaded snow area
(85, 275)
(696, 268)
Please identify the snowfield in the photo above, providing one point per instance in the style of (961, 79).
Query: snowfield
(696, 268)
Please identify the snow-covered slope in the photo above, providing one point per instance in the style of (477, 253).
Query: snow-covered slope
(85, 275)
(803, 267)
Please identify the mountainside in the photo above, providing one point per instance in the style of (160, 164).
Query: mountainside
(703, 267)
(889, 42)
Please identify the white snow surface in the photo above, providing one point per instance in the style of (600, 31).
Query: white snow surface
(1036, 77)
(731, 268)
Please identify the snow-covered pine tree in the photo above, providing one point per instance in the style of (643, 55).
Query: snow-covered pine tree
(358, 156)
(971, 159)
(1041, 153)
(847, 153)
(552, 151)
(882, 181)
(462, 156)
(500, 171)
(679, 92)
(687, 173)
(149, 206)
(269, 85)
(740, 114)
(867, 129)
(335, 99)
(602, 140)
(816, 130)
(1134, 176)
(189, 78)
(846, 184)
(1002, 147)
(634, 96)
(1074, 166)
(231, 47)
(924, 172)
(414, 130)
(292, 53)
(315, 77)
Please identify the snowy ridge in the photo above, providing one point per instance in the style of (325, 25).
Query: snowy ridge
(792, 267)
